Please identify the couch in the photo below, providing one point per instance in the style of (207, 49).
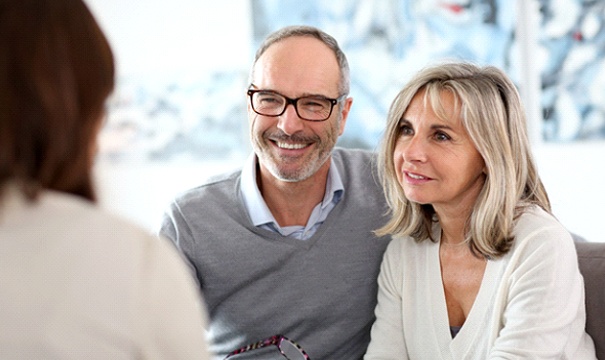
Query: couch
(591, 257)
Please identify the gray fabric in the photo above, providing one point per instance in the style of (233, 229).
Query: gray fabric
(320, 293)
(591, 258)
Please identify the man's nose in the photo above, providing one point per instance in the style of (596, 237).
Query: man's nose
(289, 122)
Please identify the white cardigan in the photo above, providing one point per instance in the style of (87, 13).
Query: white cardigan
(77, 283)
(530, 304)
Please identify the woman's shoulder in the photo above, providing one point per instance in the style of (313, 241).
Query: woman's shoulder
(538, 229)
(405, 246)
(80, 225)
(87, 217)
(535, 219)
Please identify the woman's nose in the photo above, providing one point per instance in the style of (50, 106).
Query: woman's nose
(414, 149)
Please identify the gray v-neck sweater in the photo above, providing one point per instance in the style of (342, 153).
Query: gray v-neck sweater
(321, 292)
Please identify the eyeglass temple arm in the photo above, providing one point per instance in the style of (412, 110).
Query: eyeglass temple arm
(273, 340)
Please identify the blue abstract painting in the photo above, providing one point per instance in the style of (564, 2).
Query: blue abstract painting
(572, 54)
(386, 41)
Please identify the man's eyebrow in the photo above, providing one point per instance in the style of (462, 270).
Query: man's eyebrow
(269, 90)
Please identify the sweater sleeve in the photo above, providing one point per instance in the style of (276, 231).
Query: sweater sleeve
(387, 338)
(543, 296)
(174, 228)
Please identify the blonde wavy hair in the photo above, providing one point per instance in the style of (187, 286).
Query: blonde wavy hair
(492, 113)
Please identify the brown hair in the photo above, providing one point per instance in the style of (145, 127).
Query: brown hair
(56, 72)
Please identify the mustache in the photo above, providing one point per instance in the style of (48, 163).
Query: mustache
(279, 135)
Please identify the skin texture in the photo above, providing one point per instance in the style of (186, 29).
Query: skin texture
(294, 153)
(439, 165)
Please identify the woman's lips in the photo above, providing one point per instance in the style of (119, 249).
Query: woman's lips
(415, 178)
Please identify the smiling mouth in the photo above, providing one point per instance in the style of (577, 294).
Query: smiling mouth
(416, 176)
(290, 146)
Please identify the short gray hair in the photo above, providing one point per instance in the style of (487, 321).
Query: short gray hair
(299, 30)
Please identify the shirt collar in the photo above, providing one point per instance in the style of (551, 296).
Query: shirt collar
(257, 207)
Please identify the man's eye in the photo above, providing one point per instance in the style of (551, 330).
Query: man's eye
(268, 99)
(313, 104)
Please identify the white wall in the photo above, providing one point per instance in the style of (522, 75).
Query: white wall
(574, 174)
(141, 192)
(167, 38)
(175, 36)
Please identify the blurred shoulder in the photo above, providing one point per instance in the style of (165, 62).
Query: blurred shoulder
(77, 216)
(95, 236)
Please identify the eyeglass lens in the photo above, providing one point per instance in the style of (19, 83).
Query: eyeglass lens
(310, 108)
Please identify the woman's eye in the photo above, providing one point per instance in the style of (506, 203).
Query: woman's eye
(442, 136)
(405, 130)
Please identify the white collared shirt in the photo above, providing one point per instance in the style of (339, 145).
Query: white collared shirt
(261, 215)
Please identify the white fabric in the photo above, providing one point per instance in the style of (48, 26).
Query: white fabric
(76, 283)
(530, 304)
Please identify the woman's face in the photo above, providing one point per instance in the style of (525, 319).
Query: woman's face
(435, 160)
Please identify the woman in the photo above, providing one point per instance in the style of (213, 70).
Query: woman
(478, 267)
(75, 283)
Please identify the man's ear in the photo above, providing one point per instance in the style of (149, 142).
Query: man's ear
(344, 114)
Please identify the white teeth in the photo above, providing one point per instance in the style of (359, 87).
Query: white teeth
(418, 177)
(290, 146)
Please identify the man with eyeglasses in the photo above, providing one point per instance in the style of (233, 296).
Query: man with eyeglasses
(286, 245)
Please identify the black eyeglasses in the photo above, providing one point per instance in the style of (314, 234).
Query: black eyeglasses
(287, 348)
(310, 108)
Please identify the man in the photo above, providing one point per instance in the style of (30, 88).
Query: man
(286, 246)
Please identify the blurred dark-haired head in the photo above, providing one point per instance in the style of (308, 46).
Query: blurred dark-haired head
(56, 72)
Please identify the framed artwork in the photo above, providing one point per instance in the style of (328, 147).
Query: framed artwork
(386, 41)
(194, 118)
(178, 120)
(572, 63)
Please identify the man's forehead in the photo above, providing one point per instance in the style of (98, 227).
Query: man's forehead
(300, 64)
